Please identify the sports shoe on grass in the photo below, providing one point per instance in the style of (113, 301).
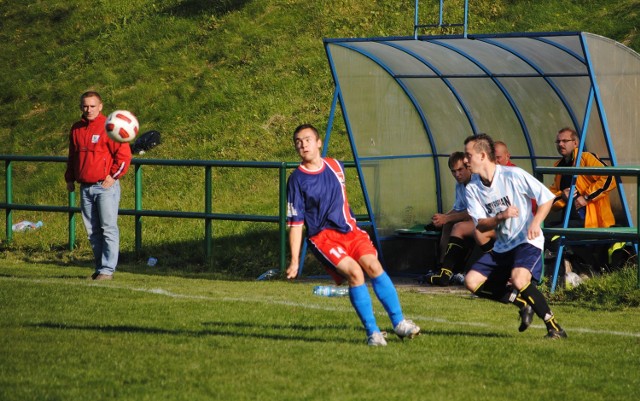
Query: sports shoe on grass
(457, 279)
(526, 317)
(376, 340)
(556, 334)
(441, 278)
(407, 329)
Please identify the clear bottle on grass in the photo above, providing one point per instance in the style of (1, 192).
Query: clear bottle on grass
(330, 291)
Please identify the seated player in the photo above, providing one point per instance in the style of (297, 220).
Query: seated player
(458, 231)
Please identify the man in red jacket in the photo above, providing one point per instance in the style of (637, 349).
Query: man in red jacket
(97, 162)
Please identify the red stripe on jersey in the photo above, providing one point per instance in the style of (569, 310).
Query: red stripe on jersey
(336, 168)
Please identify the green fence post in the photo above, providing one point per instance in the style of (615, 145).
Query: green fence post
(9, 195)
(283, 216)
(138, 208)
(72, 220)
(207, 209)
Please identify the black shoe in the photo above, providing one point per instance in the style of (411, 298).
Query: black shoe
(554, 334)
(432, 227)
(441, 278)
(526, 317)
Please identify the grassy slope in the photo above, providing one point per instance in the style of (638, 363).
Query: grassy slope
(225, 79)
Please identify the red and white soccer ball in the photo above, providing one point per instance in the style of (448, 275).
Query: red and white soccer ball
(122, 126)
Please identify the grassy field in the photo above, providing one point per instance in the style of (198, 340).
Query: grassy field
(153, 337)
(229, 80)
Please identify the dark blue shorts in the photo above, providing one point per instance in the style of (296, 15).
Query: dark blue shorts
(496, 264)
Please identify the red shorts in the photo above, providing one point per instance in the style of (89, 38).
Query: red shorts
(332, 246)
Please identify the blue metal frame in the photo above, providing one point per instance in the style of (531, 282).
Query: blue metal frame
(594, 95)
(490, 39)
(441, 23)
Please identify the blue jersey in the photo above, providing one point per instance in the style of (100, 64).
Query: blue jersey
(318, 199)
(510, 186)
(460, 204)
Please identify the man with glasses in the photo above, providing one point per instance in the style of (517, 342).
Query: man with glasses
(591, 206)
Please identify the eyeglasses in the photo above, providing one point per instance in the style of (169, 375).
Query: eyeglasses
(559, 141)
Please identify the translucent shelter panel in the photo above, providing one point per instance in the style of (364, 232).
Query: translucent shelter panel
(490, 110)
(575, 91)
(493, 58)
(390, 140)
(445, 117)
(531, 94)
(617, 72)
(548, 58)
(382, 118)
(442, 59)
(401, 192)
(398, 61)
(570, 43)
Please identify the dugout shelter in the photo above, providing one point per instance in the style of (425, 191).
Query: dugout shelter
(409, 102)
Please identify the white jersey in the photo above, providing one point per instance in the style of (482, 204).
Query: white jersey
(510, 186)
(460, 203)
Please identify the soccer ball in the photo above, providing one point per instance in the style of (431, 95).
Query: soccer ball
(122, 126)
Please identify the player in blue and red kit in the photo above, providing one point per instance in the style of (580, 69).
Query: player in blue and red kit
(317, 199)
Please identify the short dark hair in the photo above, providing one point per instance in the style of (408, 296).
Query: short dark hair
(483, 143)
(90, 94)
(455, 158)
(303, 127)
(574, 134)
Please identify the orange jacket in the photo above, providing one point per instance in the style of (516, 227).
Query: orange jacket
(595, 187)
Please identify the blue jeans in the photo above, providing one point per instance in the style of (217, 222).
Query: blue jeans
(100, 215)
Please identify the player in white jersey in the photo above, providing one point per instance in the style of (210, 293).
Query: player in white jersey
(499, 198)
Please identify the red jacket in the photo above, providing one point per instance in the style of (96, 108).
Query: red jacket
(93, 155)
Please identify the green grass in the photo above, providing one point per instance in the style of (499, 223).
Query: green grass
(150, 337)
(229, 80)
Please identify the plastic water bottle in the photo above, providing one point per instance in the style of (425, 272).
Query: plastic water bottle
(330, 291)
(268, 275)
(26, 226)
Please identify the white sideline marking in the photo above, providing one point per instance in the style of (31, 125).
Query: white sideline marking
(160, 291)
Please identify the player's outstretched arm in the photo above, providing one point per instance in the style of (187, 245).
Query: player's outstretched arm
(295, 244)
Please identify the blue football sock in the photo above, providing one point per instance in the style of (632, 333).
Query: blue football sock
(388, 296)
(361, 301)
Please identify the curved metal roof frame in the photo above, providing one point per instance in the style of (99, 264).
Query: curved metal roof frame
(518, 87)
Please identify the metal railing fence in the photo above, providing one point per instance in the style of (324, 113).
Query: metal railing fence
(207, 215)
